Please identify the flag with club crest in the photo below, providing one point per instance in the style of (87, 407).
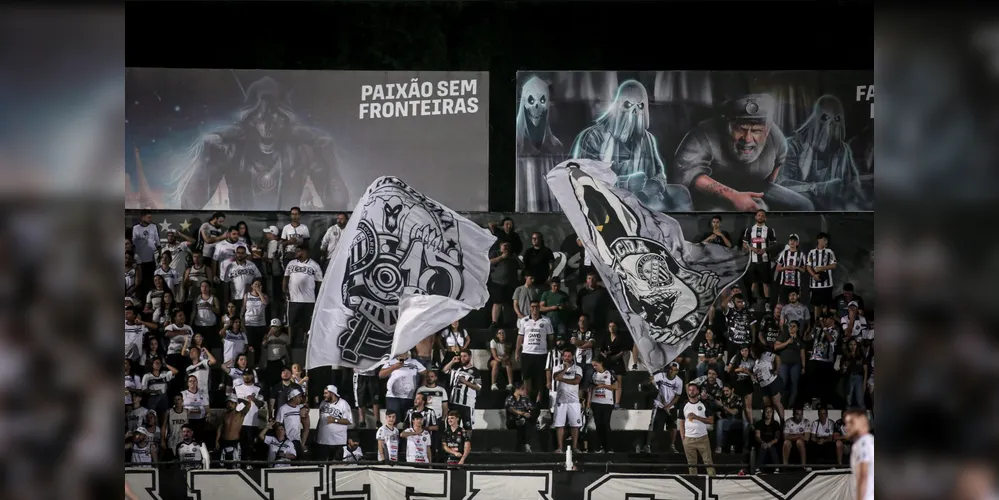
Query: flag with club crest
(410, 267)
(663, 285)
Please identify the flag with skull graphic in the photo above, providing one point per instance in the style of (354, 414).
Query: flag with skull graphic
(412, 266)
(663, 285)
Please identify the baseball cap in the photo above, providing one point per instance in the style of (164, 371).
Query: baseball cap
(332, 388)
(144, 431)
(171, 231)
(853, 303)
(271, 230)
(275, 322)
(233, 398)
(793, 236)
(294, 393)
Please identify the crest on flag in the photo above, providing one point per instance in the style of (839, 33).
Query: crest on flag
(663, 285)
(405, 249)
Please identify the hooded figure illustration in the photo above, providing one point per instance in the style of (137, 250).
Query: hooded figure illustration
(620, 137)
(265, 157)
(819, 162)
(538, 150)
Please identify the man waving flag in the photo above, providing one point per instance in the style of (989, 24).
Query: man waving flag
(410, 267)
(662, 284)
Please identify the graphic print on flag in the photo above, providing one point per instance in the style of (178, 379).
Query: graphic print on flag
(662, 284)
(412, 267)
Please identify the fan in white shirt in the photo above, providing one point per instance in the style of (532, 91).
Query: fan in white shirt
(294, 233)
(388, 439)
(295, 417)
(332, 236)
(335, 416)
(280, 447)
(225, 250)
(418, 442)
(858, 429)
(240, 273)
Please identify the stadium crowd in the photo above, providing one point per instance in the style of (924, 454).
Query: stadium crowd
(213, 316)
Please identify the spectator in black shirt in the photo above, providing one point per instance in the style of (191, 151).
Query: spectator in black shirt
(457, 443)
(767, 436)
(507, 234)
(709, 355)
(842, 301)
(519, 416)
(614, 347)
(738, 320)
(279, 392)
(716, 235)
(538, 259)
(594, 301)
(730, 408)
(767, 330)
(504, 276)
(791, 349)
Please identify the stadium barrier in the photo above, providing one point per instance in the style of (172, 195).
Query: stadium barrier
(542, 481)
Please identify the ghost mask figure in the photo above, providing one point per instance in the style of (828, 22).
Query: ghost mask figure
(629, 113)
(827, 125)
(534, 101)
(391, 209)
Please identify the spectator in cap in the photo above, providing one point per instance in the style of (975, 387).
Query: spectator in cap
(335, 416)
(140, 447)
(731, 161)
(295, 417)
(275, 356)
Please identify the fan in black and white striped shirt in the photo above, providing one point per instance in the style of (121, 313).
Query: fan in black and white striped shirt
(552, 360)
(790, 264)
(820, 263)
(465, 386)
(758, 239)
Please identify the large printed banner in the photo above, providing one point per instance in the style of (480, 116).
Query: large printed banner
(703, 140)
(404, 483)
(222, 139)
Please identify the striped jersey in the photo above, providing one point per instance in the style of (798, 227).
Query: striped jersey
(822, 257)
(552, 361)
(429, 417)
(759, 237)
(790, 277)
(462, 394)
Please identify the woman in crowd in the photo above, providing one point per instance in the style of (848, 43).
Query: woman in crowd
(765, 376)
(199, 367)
(233, 339)
(163, 313)
(614, 348)
(452, 341)
(156, 385)
(155, 296)
(710, 354)
(740, 372)
(206, 310)
(255, 305)
(853, 367)
(605, 395)
(151, 350)
(500, 358)
(132, 384)
(196, 404)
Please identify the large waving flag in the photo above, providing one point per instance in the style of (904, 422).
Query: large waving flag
(662, 284)
(411, 267)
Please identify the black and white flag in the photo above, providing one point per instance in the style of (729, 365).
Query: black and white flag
(663, 285)
(412, 266)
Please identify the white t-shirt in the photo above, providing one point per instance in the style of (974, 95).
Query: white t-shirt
(256, 312)
(240, 276)
(177, 343)
(214, 231)
(137, 418)
(863, 451)
(273, 253)
(454, 338)
(402, 382)
(568, 393)
(333, 434)
(353, 456)
(764, 369)
(791, 427)
(169, 275)
(330, 239)
(134, 335)
(204, 315)
(418, 447)
(196, 404)
(535, 333)
(389, 435)
(242, 392)
(178, 255)
(600, 395)
(499, 347)
(225, 250)
(291, 417)
(302, 279)
(233, 344)
(145, 239)
(160, 383)
(668, 388)
(821, 430)
(200, 370)
(696, 428)
(859, 326)
(287, 446)
(302, 231)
